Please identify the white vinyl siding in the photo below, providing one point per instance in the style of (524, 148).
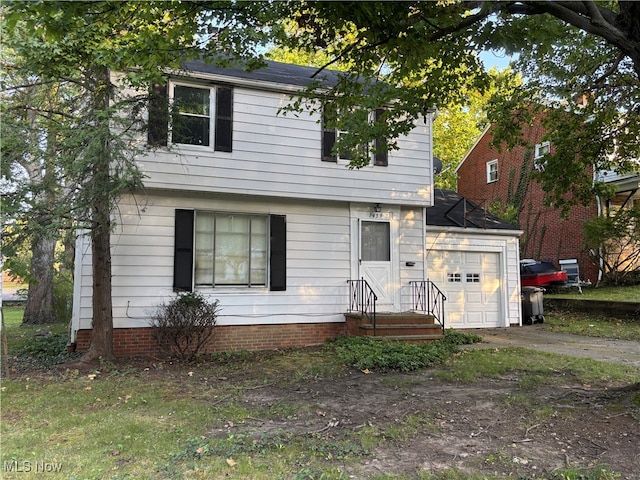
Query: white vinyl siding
(318, 264)
(412, 251)
(279, 155)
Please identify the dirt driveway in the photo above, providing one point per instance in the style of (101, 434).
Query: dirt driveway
(536, 338)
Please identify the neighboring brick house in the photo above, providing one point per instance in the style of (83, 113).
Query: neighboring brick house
(487, 176)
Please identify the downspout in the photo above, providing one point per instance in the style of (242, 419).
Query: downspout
(599, 213)
(424, 243)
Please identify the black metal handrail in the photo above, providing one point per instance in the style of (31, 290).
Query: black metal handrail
(427, 297)
(363, 300)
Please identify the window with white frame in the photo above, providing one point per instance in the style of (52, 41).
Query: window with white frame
(378, 151)
(542, 149)
(202, 115)
(231, 249)
(492, 171)
(192, 115)
(473, 278)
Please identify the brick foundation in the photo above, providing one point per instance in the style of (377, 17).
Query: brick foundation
(129, 342)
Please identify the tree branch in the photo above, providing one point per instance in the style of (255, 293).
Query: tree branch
(463, 25)
(610, 71)
(578, 14)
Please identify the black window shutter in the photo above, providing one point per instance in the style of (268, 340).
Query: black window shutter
(381, 155)
(278, 260)
(224, 119)
(328, 137)
(158, 127)
(183, 253)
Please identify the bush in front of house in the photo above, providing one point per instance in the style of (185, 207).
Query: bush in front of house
(184, 326)
(369, 353)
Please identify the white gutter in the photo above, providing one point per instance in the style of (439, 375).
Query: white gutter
(242, 82)
(479, 231)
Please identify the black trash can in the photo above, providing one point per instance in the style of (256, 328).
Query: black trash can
(532, 307)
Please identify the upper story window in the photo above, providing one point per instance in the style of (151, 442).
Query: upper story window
(492, 171)
(192, 115)
(378, 151)
(542, 149)
(200, 115)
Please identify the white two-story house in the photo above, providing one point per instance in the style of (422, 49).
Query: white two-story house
(250, 208)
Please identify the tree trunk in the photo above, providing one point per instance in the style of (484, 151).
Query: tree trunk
(69, 254)
(102, 336)
(39, 307)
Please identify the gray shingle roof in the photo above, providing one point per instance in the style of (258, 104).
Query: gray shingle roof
(451, 209)
(275, 72)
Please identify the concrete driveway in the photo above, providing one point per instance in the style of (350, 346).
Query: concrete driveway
(534, 337)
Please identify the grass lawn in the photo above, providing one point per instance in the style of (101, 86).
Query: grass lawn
(159, 420)
(595, 325)
(616, 294)
(592, 325)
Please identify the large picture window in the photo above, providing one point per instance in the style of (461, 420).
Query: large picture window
(230, 249)
(216, 249)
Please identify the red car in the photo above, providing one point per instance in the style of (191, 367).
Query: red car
(541, 274)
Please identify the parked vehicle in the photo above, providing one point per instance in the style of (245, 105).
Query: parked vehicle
(534, 273)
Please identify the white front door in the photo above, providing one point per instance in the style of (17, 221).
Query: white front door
(376, 260)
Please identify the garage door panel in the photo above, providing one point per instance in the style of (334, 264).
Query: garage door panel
(474, 299)
(474, 318)
(473, 259)
(471, 283)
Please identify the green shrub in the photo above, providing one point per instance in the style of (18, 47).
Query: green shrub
(44, 346)
(369, 353)
(454, 337)
(62, 296)
(183, 326)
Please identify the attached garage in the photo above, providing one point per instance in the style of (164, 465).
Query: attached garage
(471, 282)
(472, 257)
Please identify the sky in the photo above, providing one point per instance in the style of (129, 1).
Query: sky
(495, 59)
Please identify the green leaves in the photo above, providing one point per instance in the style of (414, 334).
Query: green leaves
(426, 53)
(371, 354)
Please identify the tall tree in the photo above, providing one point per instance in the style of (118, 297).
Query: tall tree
(459, 124)
(30, 137)
(428, 51)
(84, 43)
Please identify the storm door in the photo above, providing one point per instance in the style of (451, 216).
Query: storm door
(375, 260)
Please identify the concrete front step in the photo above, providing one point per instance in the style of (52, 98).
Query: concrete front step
(409, 338)
(399, 329)
(404, 318)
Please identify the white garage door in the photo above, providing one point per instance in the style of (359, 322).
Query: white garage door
(471, 283)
